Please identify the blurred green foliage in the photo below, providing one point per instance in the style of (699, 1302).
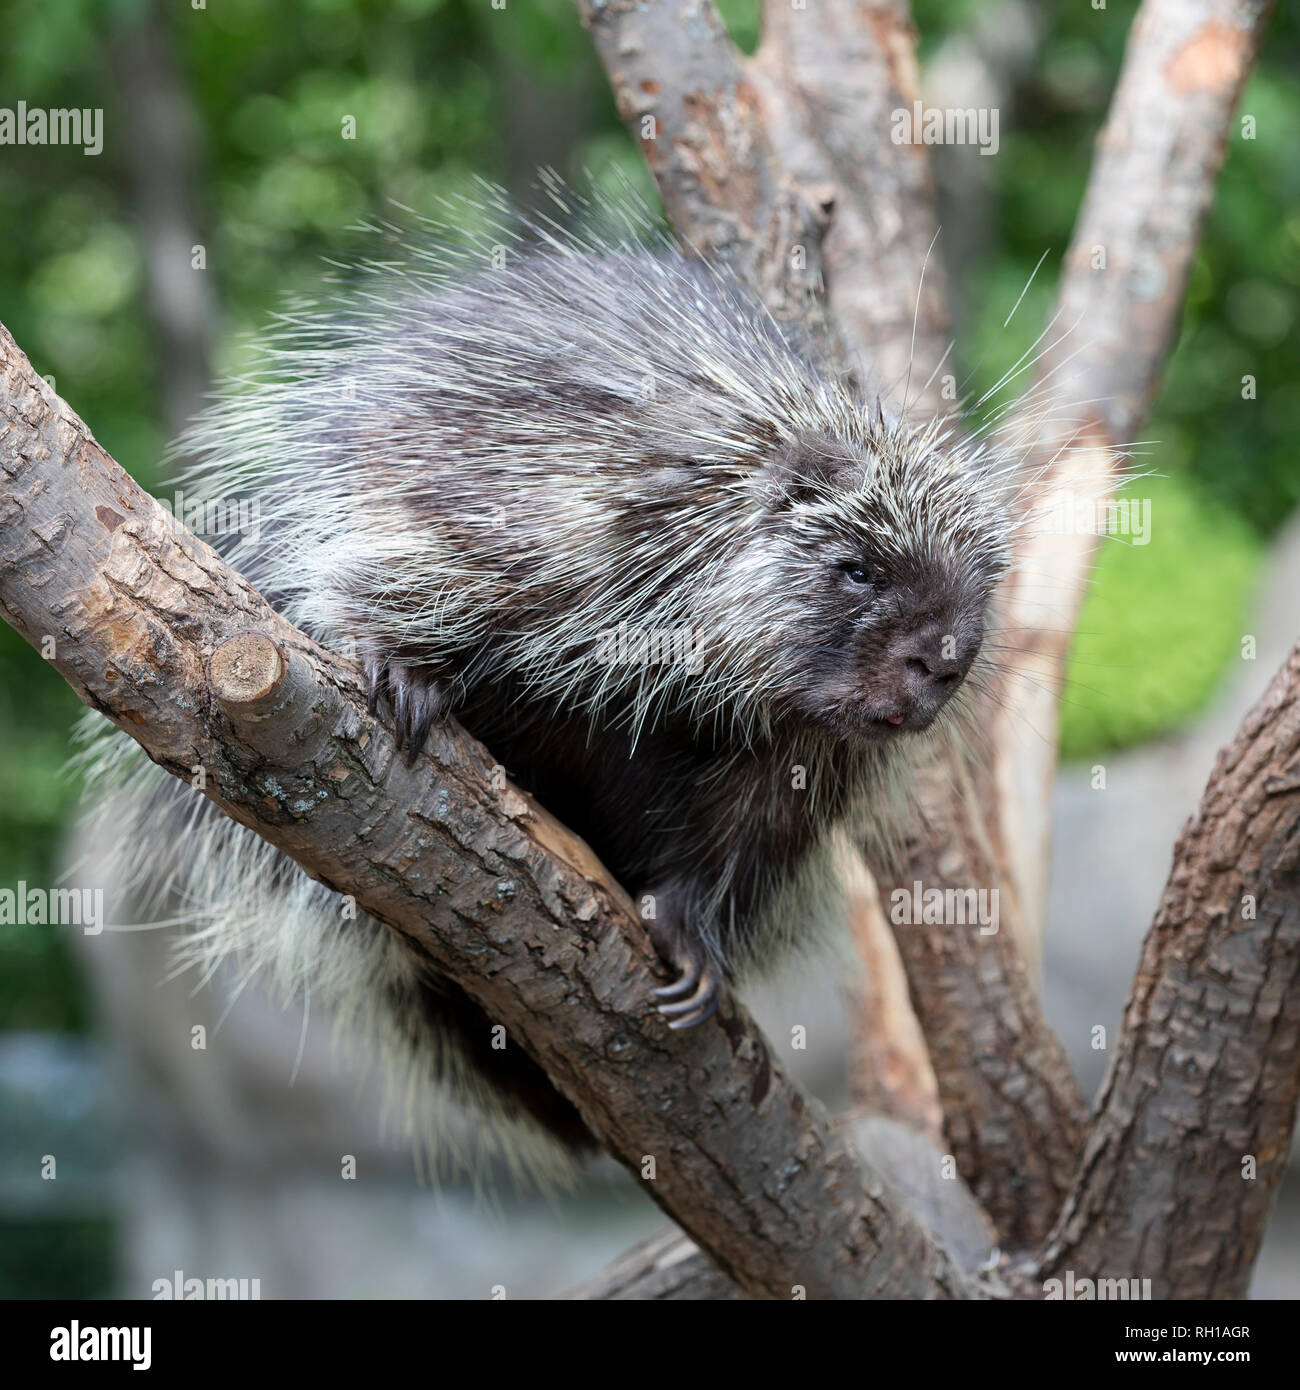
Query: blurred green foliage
(443, 91)
(58, 1258)
(1161, 621)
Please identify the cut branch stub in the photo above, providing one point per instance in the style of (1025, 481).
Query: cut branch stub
(246, 672)
(271, 695)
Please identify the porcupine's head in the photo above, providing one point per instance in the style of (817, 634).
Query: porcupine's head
(873, 561)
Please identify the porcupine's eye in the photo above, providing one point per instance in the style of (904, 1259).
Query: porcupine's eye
(856, 572)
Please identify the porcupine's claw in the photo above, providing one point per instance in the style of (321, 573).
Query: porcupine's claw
(417, 698)
(695, 980)
(684, 983)
(699, 1006)
(374, 669)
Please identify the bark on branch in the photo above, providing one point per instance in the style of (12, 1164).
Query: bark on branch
(150, 627)
(1013, 1115)
(830, 78)
(1194, 1124)
(682, 90)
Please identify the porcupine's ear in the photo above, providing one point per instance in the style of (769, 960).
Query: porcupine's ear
(807, 470)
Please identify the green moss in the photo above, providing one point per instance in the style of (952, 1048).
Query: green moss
(1162, 623)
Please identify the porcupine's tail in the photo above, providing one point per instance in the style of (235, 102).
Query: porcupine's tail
(236, 900)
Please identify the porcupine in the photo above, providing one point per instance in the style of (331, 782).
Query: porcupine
(502, 485)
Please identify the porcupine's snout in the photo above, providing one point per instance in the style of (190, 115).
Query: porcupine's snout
(925, 666)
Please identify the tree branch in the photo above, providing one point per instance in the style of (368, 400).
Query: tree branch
(1195, 1120)
(668, 1266)
(829, 78)
(1013, 1114)
(665, 1267)
(686, 100)
(891, 1072)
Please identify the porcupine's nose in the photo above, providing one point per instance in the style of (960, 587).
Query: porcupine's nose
(934, 662)
(933, 670)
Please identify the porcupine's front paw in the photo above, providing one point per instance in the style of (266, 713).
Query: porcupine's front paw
(418, 695)
(693, 995)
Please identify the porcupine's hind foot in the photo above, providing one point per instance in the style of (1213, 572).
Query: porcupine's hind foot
(417, 695)
(693, 995)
